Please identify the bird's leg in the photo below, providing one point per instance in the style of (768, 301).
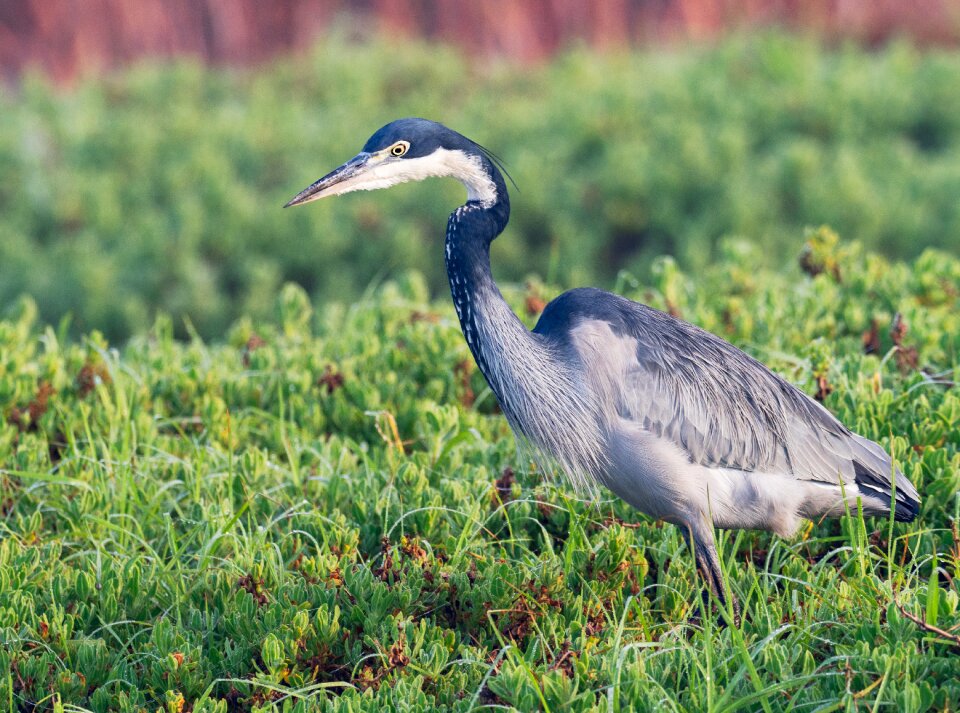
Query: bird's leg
(708, 564)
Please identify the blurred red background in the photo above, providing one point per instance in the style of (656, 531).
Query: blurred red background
(67, 39)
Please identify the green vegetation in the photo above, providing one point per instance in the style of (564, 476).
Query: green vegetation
(323, 512)
(161, 188)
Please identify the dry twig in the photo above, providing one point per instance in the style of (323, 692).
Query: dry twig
(953, 639)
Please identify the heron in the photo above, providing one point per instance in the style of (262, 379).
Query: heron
(674, 420)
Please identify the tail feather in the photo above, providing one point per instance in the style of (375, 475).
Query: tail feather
(877, 477)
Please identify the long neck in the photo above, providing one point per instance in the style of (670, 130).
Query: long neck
(490, 327)
(534, 384)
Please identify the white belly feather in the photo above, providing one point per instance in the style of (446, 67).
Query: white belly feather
(657, 477)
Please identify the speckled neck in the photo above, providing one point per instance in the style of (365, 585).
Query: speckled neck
(535, 386)
(480, 307)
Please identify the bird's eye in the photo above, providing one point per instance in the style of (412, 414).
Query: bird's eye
(399, 148)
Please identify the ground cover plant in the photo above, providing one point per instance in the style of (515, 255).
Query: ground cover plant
(160, 188)
(324, 511)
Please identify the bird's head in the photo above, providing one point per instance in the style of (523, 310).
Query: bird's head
(411, 150)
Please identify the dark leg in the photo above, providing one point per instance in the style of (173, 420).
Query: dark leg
(708, 564)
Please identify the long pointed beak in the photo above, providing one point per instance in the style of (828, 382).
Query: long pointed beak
(339, 180)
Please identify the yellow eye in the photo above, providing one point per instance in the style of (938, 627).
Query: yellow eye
(399, 148)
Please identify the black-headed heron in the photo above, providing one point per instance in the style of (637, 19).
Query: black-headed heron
(676, 421)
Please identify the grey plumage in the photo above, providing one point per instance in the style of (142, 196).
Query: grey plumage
(724, 408)
(673, 419)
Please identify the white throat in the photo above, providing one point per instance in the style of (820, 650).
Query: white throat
(443, 162)
(465, 168)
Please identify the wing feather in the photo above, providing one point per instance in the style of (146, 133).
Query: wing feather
(722, 407)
